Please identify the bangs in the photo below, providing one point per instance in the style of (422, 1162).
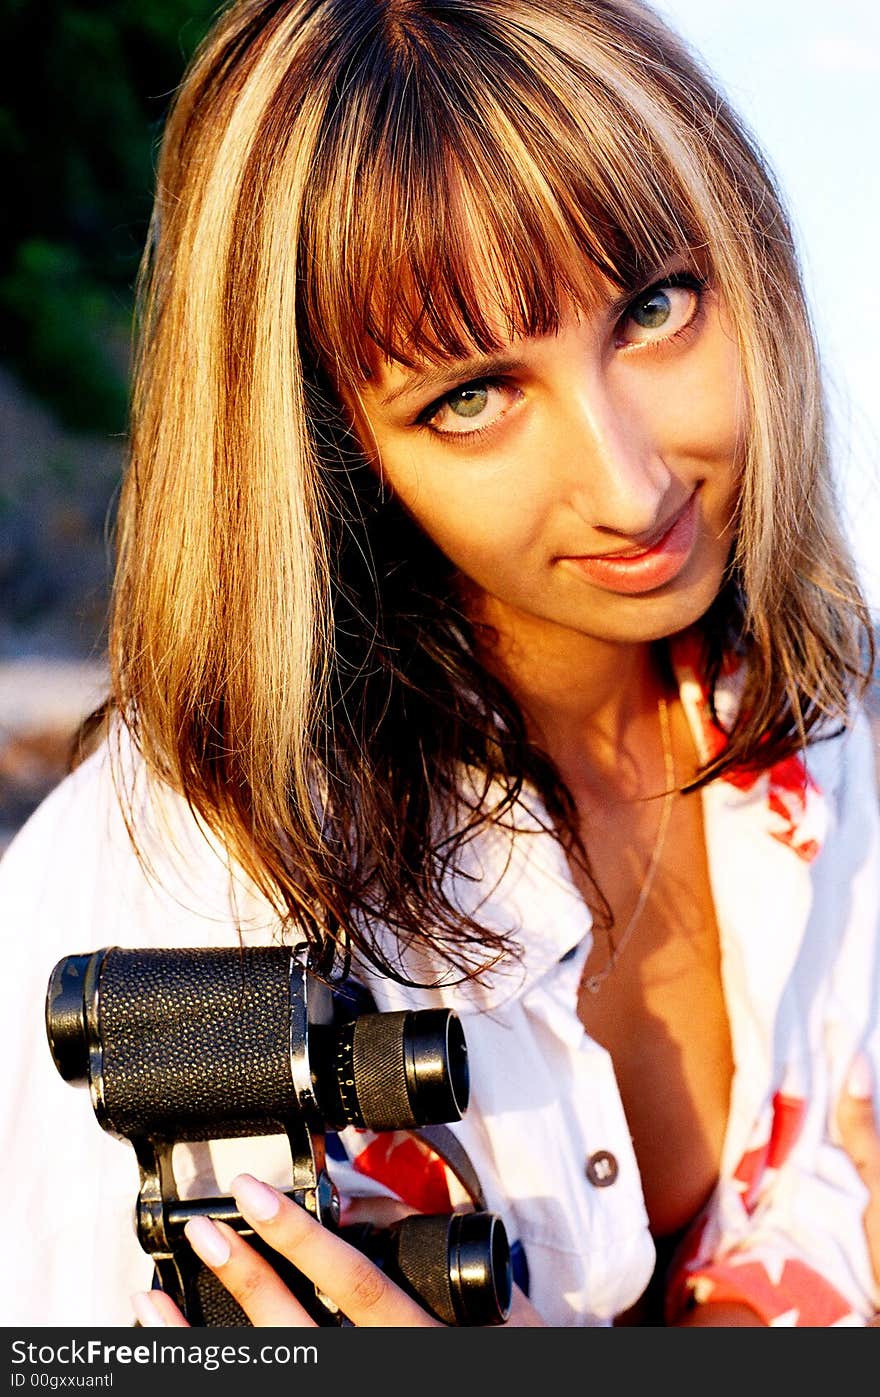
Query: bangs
(458, 204)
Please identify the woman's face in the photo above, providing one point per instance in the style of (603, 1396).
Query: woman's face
(585, 479)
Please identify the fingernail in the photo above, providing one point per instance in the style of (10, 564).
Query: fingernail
(859, 1081)
(207, 1241)
(146, 1312)
(256, 1200)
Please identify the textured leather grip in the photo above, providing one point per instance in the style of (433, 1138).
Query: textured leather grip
(196, 1044)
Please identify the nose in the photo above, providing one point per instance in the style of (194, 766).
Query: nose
(616, 479)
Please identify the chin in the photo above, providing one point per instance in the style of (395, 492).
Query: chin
(637, 620)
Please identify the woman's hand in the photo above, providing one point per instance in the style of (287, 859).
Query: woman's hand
(364, 1294)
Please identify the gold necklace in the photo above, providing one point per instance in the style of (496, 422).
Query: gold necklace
(594, 983)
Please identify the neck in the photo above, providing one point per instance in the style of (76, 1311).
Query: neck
(582, 697)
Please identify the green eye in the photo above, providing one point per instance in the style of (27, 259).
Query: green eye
(652, 311)
(468, 402)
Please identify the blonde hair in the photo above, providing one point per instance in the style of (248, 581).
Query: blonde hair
(286, 650)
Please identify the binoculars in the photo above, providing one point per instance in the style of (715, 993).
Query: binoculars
(197, 1045)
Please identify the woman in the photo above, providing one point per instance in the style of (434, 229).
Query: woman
(483, 615)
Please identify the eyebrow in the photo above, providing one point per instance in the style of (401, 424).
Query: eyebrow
(481, 366)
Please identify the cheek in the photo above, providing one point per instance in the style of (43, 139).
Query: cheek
(706, 418)
(487, 520)
(696, 402)
(483, 520)
(719, 421)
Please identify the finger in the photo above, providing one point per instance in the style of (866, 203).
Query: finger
(249, 1277)
(363, 1293)
(156, 1310)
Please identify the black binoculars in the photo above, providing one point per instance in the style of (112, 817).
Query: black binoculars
(190, 1045)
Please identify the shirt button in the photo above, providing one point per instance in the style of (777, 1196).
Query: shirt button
(602, 1169)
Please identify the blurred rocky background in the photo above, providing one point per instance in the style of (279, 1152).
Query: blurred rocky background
(85, 87)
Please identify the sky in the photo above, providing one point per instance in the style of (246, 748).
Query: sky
(805, 76)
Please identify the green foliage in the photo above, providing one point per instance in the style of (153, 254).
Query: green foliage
(85, 89)
(69, 334)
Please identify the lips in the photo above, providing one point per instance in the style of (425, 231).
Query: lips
(643, 569)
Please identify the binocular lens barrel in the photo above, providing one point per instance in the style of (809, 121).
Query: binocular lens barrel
(199, 1044)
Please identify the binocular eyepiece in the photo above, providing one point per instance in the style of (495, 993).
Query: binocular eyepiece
(456, 1264)
(189, 1045)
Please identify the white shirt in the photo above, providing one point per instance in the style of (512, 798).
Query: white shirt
(795, 878)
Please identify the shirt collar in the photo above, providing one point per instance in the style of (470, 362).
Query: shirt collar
(794, 808)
